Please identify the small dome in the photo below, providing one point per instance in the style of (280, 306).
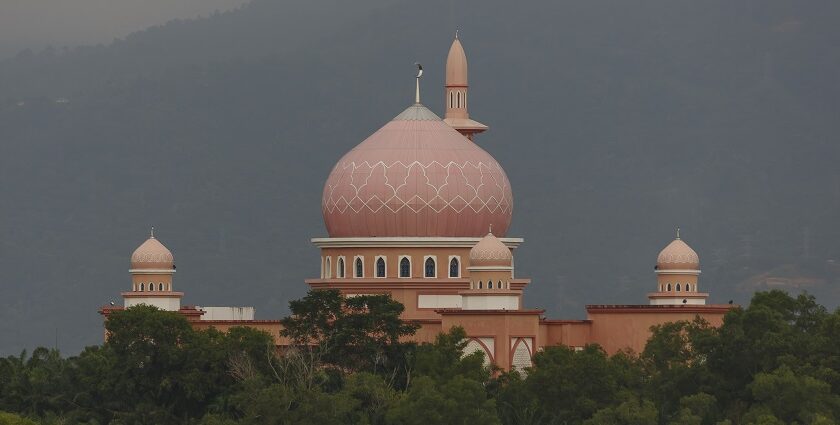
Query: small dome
(456, 65)
(152, 255)
(677, 255)
(490, 251)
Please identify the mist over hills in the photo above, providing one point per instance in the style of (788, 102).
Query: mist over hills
(615, 122)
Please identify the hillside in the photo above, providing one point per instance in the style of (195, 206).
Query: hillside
(615, 123)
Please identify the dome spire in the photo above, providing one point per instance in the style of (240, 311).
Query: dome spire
(678, 232)
(152, 232)
(417, 85)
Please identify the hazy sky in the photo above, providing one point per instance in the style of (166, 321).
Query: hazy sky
(38, 23)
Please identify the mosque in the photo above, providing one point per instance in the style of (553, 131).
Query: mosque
(420, 211)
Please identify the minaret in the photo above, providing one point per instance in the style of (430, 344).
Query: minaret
(457, 115)
(152, 267)
(677, 271)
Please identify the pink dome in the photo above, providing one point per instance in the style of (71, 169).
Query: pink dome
(152, 255)
(490, 252)
(677, 256)
(416, 176)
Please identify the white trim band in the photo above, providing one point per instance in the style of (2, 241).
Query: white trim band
(407, 242)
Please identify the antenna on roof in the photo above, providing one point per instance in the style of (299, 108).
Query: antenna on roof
(417, 88)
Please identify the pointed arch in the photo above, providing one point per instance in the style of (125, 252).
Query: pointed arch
(454, 267)
(521, 355)
(405, 267)
(380, 267)
(475, 345)
(359, 267)
(328, 268)
(340, 267)
(429, 267)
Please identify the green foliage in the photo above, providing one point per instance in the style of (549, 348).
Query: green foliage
(457, 401)
(774, 362)
(445, 358)
(571, 386)
(358, 333)
(630, 412)
(12, 419)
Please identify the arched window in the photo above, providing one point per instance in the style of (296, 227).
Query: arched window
(160, 286)
(678, 287)
(458, 99)
(669, 287)
(451, 99)
(142, 286)
(454, 269)
(359, 268)
(340, 265)
(430, 267)
(405, 267)
(328, 268)
(480, 284)
(151, 286)
(489, 284)
(687, 287)
(500, 285)
(380, 267)
(465, 99)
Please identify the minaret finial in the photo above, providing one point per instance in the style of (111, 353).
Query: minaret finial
(491, 228)
(417, 86)
(152, 232)
(456, 33)
(678, 232)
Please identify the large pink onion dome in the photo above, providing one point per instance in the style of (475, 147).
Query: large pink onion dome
(152, 255)
(416, 176)
(678, 256)
(490, 252)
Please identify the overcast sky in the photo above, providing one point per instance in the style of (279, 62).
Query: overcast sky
(38, 23)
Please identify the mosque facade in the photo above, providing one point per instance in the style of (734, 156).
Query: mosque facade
(419, 211)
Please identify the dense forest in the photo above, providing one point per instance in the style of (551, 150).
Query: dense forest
(616, 122)
(776, 361)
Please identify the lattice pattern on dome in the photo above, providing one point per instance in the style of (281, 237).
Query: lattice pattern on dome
(151, 257)
(393, 187)
(490, 254)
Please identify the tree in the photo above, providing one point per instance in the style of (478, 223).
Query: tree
(361, 333)
(445, 358)
(457, 401)
(632, 411)
(794, 398)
